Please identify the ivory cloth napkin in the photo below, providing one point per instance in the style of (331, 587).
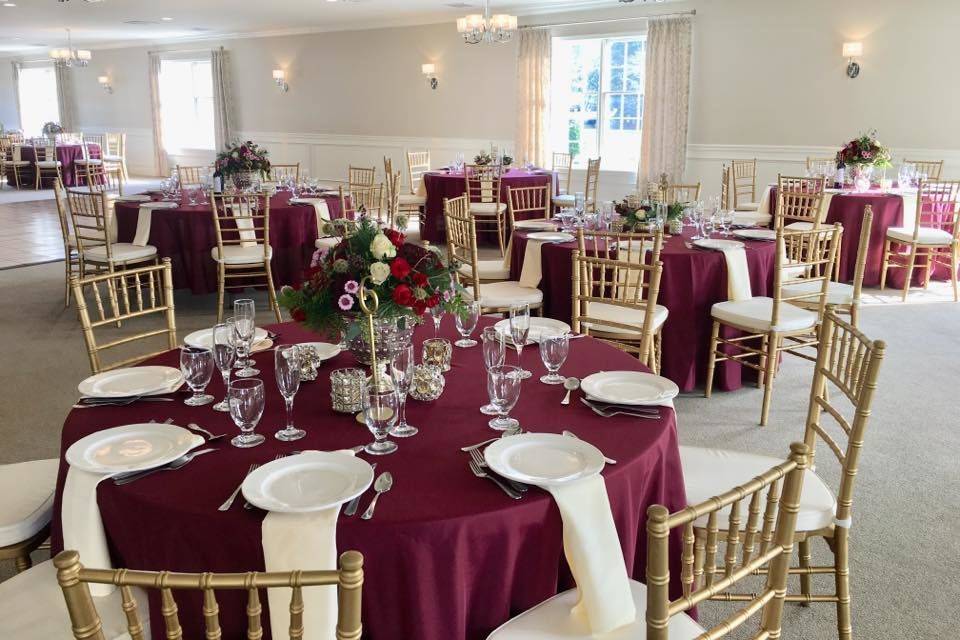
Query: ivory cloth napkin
(738, 275)
(532, 270)
(145, 218)
(308, 542)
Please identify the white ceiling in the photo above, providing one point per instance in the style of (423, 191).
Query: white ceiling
(34, 25)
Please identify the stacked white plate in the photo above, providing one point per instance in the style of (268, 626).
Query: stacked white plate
(715, 244)
(136, 197)
(551, 236)
(535, 224)
(204, 338)
(132, 381)
(133, 447)
(543, 459)
(756, 234)
(629, 387)
(310, 481)
(538, 328)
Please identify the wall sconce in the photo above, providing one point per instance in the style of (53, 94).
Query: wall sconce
(430, 70)
(852, 51)
(105, 83)
(280, 78)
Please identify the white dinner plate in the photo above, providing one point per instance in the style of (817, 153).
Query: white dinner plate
(310, 481)
(134, 447)
(132, 381)
(324, 350)
(538, 327)
(715, 244)
(551, 236)
(204, 338)
(535, 224)
(629, 387)
(543, 459)
(135, 197)
(756, 234)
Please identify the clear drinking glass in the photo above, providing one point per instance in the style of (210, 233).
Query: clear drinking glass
(246, 407)
(727, 216)
(519, 332)
(287, 361)
(436, 313)
(224, 354)
(503, 385)
(196, 363)
(466, 323)
(244, 319)
(380, 407)
(494, 353)
(401, 372)
(553, 351)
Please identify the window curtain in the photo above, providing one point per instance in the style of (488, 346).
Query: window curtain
(533, 96)
(17, 65)
(223, 120)
(160, 160)
(65, 97)
(663, 147)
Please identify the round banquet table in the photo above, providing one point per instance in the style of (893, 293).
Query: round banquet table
(447, 555)
(441, 185)
(66, 154)
(186, 235)
(693, 281)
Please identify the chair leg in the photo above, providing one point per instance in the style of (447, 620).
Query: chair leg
(885, 265)
(221, 284)
(712, 362)
(929, 266)
(272, 294)
(503, 250)
(762, 361)
(770, 370)
(22, 563)
(842, 578)
(36, 179)
(954, 259)
(909, 278)
(803, 551)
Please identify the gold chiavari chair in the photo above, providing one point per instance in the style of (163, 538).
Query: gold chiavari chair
(392, 198)
(934, 238)
(280, 172)
(462, 250)
(411, 203)
(13, 154)
(114, 155)
(418, 163)
(780, 325)
(844, 384)
(74, 580)
(725, 188)
(92, 148)
(930, 168)
(70, 137)
(682, 193)
(242, 226)
(812, 161)
(26, 502)
(120, 297)
(744, 175)
(45, 164)
(368, 199)
(361, 176)
(799, 202)
(530, 208)
(99, 178)
(192, 175)
(483, 194)
(562, 165)
(15, 137)
(765, 547)
(94, 230)
(590, 187)
(70, 251)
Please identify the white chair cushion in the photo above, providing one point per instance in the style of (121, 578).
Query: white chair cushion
(551, 620)
(32, 608)
(408, 199)
(487, 208)
(110, 158)
(799, 226)
(236, 254)
(122, 252)
(326, 243)
(19, 163)
(623, 315)
(566, 200)
(49, 164)
(489, 270)
(837, 292)
(500, 295)
(535, 224)
(26, 499)
(752, 218)
(93, 161)
(755, 314)
(707, 472)
(747, 206)
(927, 235)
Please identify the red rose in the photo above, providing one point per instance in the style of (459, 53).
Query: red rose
(433, 300)
(403, 295)
(399, 268)
(419, 279)
(419, 307)
(297, 314)
(395, 237)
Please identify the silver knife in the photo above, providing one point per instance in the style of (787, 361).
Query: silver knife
(354, 504)
(176, 464)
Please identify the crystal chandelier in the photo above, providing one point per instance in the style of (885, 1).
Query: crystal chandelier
(476, 28)
(70, 57)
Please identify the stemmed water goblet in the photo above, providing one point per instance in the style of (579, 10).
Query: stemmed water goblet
(196, 363)
(224, 354)
(244, 319)
(554, 349)
(727, 217)
(466, 323)
(503, 386)
(246, 408)
(401, 372)
(436, 312)
(380, 405)
(519, 332)
(494, 353)
(287, 361)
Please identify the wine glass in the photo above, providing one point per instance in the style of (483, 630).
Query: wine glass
(494, 353)
(436, 312)
(519, 331)
(553, 351)
(401, 372)
(466, 323)
(287, 361)
(224, 354)
(380, 404)
(246, 407)
(244, 319)
(196, 363)
(503, 385)
(727, 218)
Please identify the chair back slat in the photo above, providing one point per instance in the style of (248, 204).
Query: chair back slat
(241, 219)
(725, 188)
(192, 175)
(462, 242)
(131, 612)
(483, 183)
(254, 608)
(799, 200)
(169, 609)
(744, 177)
(528, 203)
(361, 176)
(937, 207)
(591, 184)
(211, 610)
(418, 163)
(92, 219)
(392, 197)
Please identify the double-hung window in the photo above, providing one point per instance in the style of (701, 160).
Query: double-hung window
(186, 104)
(37, 88)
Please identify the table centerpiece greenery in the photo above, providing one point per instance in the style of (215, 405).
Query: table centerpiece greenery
(861, 156)
(242, 161)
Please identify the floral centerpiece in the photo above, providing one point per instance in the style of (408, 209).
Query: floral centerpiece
(242, 162)
(863, 155)
(633, 213)
(408, 280)
(483, 158)
(51, 128)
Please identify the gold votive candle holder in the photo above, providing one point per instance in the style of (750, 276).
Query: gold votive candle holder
(437, 352)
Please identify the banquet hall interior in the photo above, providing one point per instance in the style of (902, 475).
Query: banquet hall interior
(507, 319)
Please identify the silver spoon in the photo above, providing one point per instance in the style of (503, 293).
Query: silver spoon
(383, 484)
(570, 384)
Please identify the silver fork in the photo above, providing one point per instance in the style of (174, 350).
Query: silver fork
(481, 462)
(182, 461)
(477, 471)
(609, 414)
(233, 496)
(247, 505)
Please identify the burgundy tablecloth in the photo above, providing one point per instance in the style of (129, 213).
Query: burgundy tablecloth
(693, 281)
(448, 556)
(443, 185)
(66, 154)
(186, 235)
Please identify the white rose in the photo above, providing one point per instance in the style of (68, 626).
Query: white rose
(381, 247)
(379, 272)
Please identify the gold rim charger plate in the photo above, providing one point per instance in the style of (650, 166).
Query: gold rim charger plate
(134, 447)
(306, 482)
(132, 381)
(629, 387)
(543, 459)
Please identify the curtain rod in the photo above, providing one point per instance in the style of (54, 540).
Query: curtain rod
(183, 50)
(692, 12)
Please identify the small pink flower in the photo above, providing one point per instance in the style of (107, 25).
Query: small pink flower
(317, 257)
(345, 302)
(351, 286)
(447, 296)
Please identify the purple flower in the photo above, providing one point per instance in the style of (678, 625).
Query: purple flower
(346, 302)
(351, 286)
(317, 257)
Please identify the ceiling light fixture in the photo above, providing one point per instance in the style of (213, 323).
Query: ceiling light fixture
(167, 19)
(9, 4)
(70, 57)
(476, 28)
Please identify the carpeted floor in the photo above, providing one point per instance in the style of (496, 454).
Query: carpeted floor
(907, 510)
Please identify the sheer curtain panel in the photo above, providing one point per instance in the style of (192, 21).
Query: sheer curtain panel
(222, 97)
(159, 153)
(533, 96)
(65, 97)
